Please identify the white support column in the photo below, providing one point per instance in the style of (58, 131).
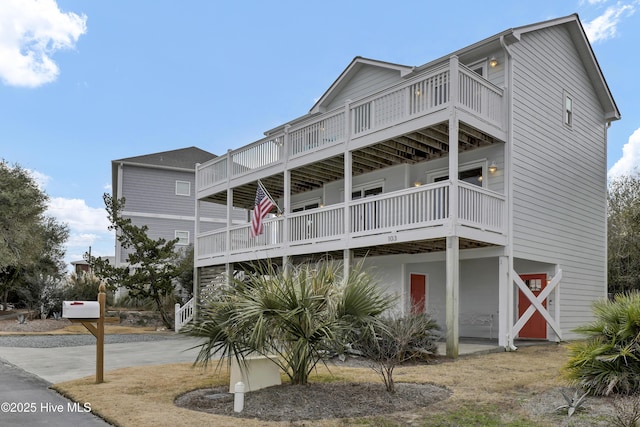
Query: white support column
(346, 262)
(453, 241)
(556, 303)
(452, 295)
(196, 232)
(511, 305)
(287, 209)
(227, 237)
(503, 301)
(286, 267)
(348, 183)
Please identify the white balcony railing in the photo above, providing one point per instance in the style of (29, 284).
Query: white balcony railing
(481, 208)
(416, 97)
(413, 208)
(428, 205)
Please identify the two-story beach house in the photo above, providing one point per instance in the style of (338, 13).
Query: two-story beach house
(159, 192)
(474, 185)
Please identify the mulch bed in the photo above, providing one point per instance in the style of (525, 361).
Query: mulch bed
(315, 401)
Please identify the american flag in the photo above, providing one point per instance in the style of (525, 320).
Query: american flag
(263, 205)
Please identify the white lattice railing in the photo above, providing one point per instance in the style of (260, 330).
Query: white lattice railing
(184, 315)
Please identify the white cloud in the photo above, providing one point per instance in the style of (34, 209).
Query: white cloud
(41, 179)
(31, 31)
(88, 228)
(629, 163)
(605, 26)
(80, 217)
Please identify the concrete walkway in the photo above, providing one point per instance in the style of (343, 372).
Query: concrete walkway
(26, 374)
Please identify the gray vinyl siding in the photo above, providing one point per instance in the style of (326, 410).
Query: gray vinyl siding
(165, 228)
(150, 199)
(368, 80)
(154, 191)
(559, 174)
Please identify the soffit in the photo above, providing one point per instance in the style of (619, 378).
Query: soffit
(415, 147)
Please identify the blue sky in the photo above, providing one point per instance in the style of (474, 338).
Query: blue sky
(86, 82)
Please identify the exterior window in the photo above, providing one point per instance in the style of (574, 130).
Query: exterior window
(183, 237)
(568, 110)
(183, 188)
(305, 207)
(366, 215)
(366, 191)
(472, 176)
(479, 68)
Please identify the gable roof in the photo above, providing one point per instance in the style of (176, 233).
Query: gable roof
(583, 47)
(579, 37)
(505, 38)
(352, 69)
(182, 158)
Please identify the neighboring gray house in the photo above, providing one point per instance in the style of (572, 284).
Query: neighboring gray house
(159, 192)
(474, 185)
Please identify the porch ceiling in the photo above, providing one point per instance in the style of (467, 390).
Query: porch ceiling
(410, 148)
(417, 247)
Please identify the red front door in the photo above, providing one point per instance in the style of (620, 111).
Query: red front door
(536, 326)
(418, 293)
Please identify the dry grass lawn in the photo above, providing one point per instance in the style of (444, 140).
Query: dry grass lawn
(144, 396)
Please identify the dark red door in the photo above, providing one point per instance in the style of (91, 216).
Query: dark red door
(418, 293)
(536, 326)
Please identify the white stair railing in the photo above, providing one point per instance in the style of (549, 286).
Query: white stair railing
(184, 314)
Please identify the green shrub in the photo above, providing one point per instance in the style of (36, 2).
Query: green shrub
(608, 361)
(293, 317)
(396, 340)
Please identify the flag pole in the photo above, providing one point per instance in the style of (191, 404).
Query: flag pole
(269, 196)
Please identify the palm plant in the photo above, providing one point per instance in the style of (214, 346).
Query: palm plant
(294, 317)
(608, 361)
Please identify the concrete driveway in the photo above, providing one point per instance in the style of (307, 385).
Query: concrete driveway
(27, 372)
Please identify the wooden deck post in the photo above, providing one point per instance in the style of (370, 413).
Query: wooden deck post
(102, 300)
(97, 331)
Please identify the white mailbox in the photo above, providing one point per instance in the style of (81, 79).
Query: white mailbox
(81, 309)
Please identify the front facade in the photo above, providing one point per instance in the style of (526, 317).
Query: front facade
(474, 185)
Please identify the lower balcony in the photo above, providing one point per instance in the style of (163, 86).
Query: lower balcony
(390, 219)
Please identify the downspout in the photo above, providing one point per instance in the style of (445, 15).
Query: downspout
(509, 190)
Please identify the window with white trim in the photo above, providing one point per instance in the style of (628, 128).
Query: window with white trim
(183, 188)
(367, 190)
(479, 67)
(568, 110)
(473, 173)
(183, 237)
(305, 206)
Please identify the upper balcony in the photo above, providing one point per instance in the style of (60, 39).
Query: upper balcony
(399, 122)
(412, 220)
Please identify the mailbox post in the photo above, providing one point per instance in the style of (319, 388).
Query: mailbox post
(88, 313)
